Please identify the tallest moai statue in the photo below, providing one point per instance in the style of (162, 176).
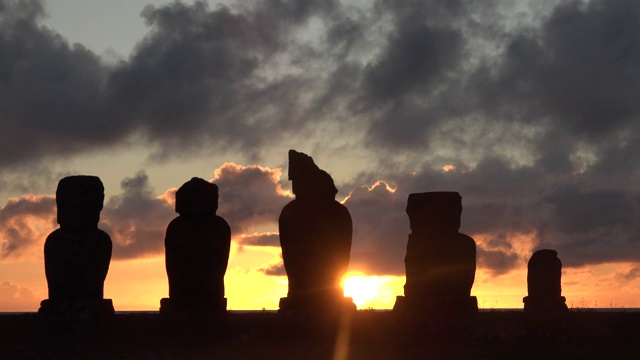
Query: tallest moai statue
(77, 255)
(315, 235)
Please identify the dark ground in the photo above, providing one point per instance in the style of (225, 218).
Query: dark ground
(372, 335)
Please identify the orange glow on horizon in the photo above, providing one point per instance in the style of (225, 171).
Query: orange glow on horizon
(448, 168)
(377, 292)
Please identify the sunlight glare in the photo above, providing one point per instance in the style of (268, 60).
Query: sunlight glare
(365, 290)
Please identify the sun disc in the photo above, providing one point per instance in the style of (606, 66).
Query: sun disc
(363, 289)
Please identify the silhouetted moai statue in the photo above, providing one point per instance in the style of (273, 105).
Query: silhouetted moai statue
(315, 235)
(544, 284)
(77, 255)
(440, 262)
(197, 245)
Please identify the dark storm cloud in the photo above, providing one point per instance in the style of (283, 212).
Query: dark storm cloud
(539, 117)
(50, 92)
(577, 73)
(199, 77)
(232, 77)
(418, 58)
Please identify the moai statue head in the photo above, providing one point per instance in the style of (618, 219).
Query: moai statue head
(79, 200)
(544, 275)
(309, 182)
(197, 197)
(434, 212)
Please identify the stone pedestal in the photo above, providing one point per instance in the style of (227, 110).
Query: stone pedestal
(442, 307)
(540, 306)
(193, 307)
(88, 308)
(301, 306)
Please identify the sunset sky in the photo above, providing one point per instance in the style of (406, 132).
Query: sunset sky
(529, 109)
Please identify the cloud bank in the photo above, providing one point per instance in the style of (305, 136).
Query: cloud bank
(531, 107)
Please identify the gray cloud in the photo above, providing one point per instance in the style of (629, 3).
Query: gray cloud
(261, 240)
(585, 226)
(503, 207)
(51, 92)
(250, 197)
(275, 270)
(536, 111)
(207, 78)
(628, 275)
(23, 224)
(200, 76)
(136, 220)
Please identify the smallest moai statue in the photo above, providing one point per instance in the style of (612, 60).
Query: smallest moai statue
(544, 284)
(197, 245)
(440, 261)
(77, 255)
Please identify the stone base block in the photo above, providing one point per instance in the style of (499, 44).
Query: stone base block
(193, 307)
(539, 306)
(315, 306)
(437, 305)
(79, 309)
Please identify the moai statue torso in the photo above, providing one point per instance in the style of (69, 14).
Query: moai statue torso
(197, 246)
(440, 262)
(77, 255)
(544, 283)
(315, 234)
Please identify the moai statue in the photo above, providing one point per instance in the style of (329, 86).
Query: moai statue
(544, 284)
(197, 246)
(440, 262)
(77, 255)
(315, 236)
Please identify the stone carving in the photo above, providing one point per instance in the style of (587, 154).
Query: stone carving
(77, 255)
(544, 284)
(440, 261)
(197, 246)
(315, 235)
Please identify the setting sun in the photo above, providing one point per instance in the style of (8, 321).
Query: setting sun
(370, 291)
